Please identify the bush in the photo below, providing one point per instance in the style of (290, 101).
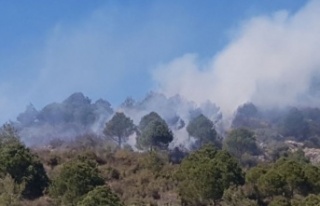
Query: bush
(24, 167)
(10, 192)
(76, 178)
(100, 196)
(205, 174)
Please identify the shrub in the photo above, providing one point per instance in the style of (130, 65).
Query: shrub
(205, 174)
(100, 196)
(10, 192)
(76, 178)
(24, 167)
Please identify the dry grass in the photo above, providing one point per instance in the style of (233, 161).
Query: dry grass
(138, 178)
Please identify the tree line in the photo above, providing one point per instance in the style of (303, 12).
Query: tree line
(234, 170)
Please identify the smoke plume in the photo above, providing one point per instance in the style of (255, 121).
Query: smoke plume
(271, 61)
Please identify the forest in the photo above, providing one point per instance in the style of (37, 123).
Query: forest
(160, 151)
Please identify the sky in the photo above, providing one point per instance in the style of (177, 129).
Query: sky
(115, 49)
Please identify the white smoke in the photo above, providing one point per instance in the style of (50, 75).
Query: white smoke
(271, 62)
(175, 110)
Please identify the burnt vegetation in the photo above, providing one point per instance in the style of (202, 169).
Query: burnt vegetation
(160, 151)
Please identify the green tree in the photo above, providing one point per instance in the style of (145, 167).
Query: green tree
(312, 175)
(205, 174)
(76, 178)
(145, 120)
(293, 174)
(272, 184)
(203, 130)
(241, 141)
(154, 132)
(100, 196)
(119, 128)
(23, 166)
(252, 179)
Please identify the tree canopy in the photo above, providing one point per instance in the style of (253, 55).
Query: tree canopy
(203, 130)
(205, 174)
(23, 166)
(75, 179)
(154, 132)
(241, 141)
(119, 128)
(100, 196)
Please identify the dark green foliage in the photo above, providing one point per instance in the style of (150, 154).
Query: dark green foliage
(287, 178)
(241, 141)
(154, 132)
(119, 128)
(145, 120)
(203, 130)
(100, 196)
(272, 184)
(75, 179)
(23, 166)
(293, 174)
(205, 174)
(253, 175)
(312, 176)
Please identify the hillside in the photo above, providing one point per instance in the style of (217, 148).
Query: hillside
(160, 151)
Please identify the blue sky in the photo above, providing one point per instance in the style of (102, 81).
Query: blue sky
(108, 49)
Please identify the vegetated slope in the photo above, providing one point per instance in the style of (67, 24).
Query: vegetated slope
(263, 159)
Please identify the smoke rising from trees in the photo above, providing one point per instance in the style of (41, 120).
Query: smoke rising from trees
(271, 61)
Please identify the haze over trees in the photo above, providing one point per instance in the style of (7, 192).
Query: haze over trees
(203, 130)
(241, 141)
(178, 155)
(119, 128)
(154, 132)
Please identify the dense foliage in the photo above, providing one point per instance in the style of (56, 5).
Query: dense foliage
(23, 166)
(154, 132)
(203, 130)
(100, 195)
(119, 128)
(75, 179)
(205, 174)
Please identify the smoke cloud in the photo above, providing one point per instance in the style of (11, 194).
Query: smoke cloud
(271, 61)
